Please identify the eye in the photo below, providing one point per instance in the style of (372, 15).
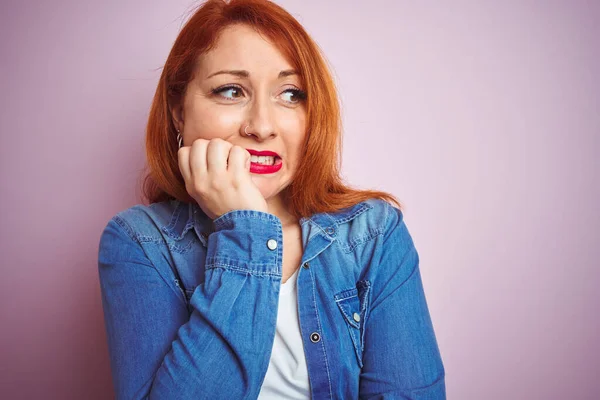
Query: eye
(294, 96)
(229, 92)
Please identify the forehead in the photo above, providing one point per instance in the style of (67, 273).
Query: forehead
(241, 47)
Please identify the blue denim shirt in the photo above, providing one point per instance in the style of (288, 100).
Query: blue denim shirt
(190, 304)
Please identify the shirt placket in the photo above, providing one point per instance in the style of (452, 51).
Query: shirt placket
(310, 322)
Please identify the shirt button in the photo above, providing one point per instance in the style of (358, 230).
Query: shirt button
(306, 265)
(356, 317)
(272, 244)
(330, 230)
(315, 337)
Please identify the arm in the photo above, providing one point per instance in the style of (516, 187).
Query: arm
(401, 357)
(159, 351)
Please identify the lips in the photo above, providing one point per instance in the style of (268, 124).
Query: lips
(263, 153)
(265, 169)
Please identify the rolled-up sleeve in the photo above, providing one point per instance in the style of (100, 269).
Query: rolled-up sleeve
(401, 358)
(222, 349)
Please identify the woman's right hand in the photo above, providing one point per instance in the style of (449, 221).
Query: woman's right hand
(217, 176)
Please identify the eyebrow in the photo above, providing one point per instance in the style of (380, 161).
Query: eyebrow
(246, 74)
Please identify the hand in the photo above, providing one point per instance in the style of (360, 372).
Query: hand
(217, 176)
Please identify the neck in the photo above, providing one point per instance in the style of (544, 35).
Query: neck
(278, 207)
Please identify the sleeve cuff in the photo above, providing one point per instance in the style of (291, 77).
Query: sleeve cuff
(247, 241)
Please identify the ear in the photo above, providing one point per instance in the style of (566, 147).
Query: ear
(177, 115)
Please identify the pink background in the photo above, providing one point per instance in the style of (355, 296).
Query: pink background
(482, 116)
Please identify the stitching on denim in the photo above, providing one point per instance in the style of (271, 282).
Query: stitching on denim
(344, 294)
(370, 235)
(237, 268)
(279, 248)
(146, 238)
(174, 218)
(308, 219)
(354, 334)
(321, 330)
(180, 249)
(123, 224)
(349, 296)
(364, 309)
(136, 237)
(366, 286)
(234, 262)
(160, 241)
(363, 207)
(320, 228)
(349, 318)
(222, 220)
(355, 329)
(387, 216)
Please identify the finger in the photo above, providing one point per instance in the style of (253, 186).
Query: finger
(238, 162)
(183, 157)
(216, 155)
(197, 160)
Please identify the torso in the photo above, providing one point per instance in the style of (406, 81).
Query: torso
(292, 250)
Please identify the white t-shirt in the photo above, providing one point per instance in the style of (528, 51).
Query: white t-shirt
(287, 375)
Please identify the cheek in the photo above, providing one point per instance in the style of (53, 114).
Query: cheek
(208, 121)
(294, 153)
(295, 134)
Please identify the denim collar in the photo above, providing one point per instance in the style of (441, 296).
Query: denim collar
(188, 216)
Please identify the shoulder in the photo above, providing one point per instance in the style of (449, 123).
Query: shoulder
(368, 220)
(385, 246)
(374, 215)
(144, 221)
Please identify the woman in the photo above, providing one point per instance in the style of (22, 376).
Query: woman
(255, 272)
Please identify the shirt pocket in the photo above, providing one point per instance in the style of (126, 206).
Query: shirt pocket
(354, 304)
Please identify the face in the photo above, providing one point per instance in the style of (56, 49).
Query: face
(244, 82)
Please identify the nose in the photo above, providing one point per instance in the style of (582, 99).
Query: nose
(259, 120)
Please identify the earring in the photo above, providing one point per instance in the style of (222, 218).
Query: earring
(179, 139)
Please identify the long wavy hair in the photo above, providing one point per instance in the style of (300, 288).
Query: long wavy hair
(317, 185)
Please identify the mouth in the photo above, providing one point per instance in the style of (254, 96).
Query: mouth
(264, 162)
(264, 157)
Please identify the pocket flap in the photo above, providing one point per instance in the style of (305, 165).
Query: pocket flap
(353, 304)
(349, 303)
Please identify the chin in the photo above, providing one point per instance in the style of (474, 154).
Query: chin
(266, 188)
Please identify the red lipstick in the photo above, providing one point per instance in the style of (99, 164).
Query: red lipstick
(257, 168)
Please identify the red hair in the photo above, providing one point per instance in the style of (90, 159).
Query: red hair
(317, 185)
